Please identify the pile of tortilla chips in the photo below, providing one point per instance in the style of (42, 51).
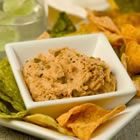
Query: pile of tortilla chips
(125, 39)
(131, 36)
(80, 121)
(131, 53)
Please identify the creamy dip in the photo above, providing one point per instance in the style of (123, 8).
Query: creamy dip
(64, 73)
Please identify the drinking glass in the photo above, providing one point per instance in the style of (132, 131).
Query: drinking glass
(23, 28)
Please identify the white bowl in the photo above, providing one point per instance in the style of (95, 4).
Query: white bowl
(92, 45)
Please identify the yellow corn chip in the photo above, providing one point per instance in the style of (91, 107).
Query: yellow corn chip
(47, 121)
(132, 52)
(103, 22)
(84, 119)
(44, 35)
(114, 39)
(132, 18)
(107, 26)
(88, 28)
(113, 5)
(130, 33)
(131, 36)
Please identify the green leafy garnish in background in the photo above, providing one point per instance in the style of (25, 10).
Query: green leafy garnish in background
(128, 5)
(62, 26)
(18, 7)
(7, 34)
(11, 103)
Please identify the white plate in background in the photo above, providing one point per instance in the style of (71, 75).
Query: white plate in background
(75, 7)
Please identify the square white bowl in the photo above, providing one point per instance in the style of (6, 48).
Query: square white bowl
(92, 45)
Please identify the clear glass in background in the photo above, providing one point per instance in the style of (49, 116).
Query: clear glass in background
(23, 28)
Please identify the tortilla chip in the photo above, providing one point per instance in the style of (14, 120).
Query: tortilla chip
(103, 22)
(88, 28)
(84, 119)
(113, 5)
(130, 33)
(44, 35)
(107, 26)
(47, 121)
(136, 80)
(132, 52)
(114, 39)
(127, 18)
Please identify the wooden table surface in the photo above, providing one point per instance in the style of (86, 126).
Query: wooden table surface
(130, 132)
